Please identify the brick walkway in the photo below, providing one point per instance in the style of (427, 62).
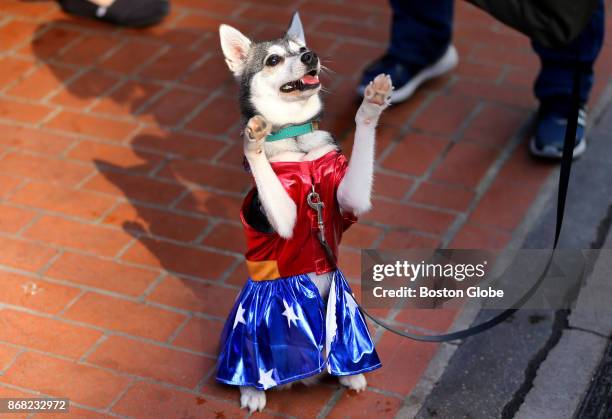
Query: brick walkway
(120, 182)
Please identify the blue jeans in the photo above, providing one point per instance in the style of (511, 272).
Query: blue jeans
(422, 30)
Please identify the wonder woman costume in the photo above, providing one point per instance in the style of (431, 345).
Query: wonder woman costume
(280, 329)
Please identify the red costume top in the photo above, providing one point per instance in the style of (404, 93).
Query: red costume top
(268, 255)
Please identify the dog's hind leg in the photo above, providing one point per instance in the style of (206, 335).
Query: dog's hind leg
(355, 382)
(252, 399)
(278, 206)
(355, 190)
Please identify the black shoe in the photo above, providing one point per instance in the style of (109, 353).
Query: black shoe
(133, 13)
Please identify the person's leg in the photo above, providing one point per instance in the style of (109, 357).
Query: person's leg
(553, 87)
(557, 72)
(419, 48)
(420, 30)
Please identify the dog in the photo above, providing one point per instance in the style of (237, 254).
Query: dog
(279, 87)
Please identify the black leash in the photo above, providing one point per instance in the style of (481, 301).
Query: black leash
(564, 176)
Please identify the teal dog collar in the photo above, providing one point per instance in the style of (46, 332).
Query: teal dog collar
(292, 131)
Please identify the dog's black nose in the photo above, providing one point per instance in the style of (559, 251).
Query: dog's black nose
(309, 58)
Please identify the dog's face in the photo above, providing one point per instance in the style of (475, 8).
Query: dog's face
(278, 79)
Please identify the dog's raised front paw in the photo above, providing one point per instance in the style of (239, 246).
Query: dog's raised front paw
(375, 99)
(255, 135)
(354, 382)
(379, 90)
(252, 399)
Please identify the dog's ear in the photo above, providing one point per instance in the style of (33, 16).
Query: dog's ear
(235, 47)
(296, 30)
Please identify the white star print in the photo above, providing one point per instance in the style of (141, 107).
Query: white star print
(350, 303)
(239, 316)
(265, 378)
(290, 314)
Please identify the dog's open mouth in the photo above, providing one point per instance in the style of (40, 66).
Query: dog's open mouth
(308, 82)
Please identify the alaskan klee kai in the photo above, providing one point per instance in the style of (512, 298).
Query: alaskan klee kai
(296, 317)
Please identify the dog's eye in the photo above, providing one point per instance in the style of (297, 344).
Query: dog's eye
(273, 60)
(303, 49)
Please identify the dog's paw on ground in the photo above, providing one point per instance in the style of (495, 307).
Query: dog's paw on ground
(257, 128)
(379, 90)
(354, 382)
(252, 399)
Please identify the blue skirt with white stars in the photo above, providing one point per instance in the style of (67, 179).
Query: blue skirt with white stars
(281, 331)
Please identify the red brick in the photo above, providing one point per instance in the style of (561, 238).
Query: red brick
(238, 276)
(415, 154)
(102, 273)
(45, 334)
(12, 69)
(176, 258)
(343, 28)
(127, 99)
(49, 43)
(366, 404)
(391, 186)
(33, 140)
(16, 32)
(174, 106)
(228, 237)
(495, 125)
(435, 319)
(124, 316)
(212, 203)
(60, 378)
(217, 117)
(92, 125)
(158, 222)
(465, 164)
(443, 196)
(360, 235)
(349, 260)
(129, 56)
(300, 401)
(417, 218)
(211, 74)
(23, 112)
(81, 92)
(13, 219)
(200, 335)
(7, 354)
(24, 254)
(524, 169)
(497, 53)
(196, 296)
(179, 144)
(206, 174)
(475, 237)
(8, 184)
(137, 188)
(43, 168)
(88, 50)
(147, 360)
(151, 400)
(112, 155)
(76, 235)
(171, 65)
(69, 201)
(503, 205)
(444, 115)
(26, 9)
(397, 375)
(407, 240)
(400, 115)
(507, 94)
(477, 71)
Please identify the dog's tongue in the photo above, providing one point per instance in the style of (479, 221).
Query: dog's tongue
(308, 79)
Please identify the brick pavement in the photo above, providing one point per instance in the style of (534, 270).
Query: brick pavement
(120, 183)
